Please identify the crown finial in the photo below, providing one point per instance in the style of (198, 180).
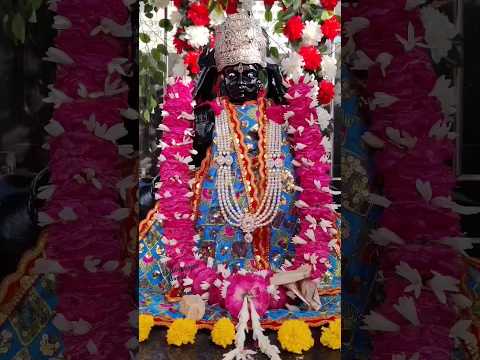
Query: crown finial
(247, 5)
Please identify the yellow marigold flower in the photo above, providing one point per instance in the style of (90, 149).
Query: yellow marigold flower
(332, 335)
(223, 332)
(295, 336)
(145, 324)
(182, 331)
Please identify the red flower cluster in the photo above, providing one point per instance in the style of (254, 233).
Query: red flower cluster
(331, 28)
(294, 28)
(198, 14)
(179, 44)
(311, 57)
(329, 4)
(191, 61)
(268, 3)
(177, 3)
(232, 6)
(326, 92)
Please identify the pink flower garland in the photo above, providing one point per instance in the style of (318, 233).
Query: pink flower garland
(313, 171)
(175, 210)
(420, 224)
(85, 237)
(174, 193)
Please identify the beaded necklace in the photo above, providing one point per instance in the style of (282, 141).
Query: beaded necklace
(231, 210)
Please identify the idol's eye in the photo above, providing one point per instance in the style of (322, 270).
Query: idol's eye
(231, 75)
(251, 74)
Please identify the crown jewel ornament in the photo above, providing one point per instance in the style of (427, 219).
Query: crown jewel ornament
(240, 39)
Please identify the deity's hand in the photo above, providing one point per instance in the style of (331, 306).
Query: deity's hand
(204, 125)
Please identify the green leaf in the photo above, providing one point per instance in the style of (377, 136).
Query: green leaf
(18, 27)
(35, 4)
(156, 54)
(274, 52)
(162, 66)
(326, 15)
(165, 24)
(163, 49)
(145, 38)
(268, 15)
(146, 115)
(323, 48)
(296, 5)
(158, 77)
(152, 103)
(278, 28)
(284, 16)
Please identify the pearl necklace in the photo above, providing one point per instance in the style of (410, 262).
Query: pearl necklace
(229, 205)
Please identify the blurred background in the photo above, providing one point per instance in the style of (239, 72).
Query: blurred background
(24, 38)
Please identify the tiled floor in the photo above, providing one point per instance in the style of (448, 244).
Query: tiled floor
(155, 348)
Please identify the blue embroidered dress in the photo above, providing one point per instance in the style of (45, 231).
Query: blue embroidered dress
(224, 243)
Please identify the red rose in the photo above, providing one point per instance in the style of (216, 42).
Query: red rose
(311, 57)
(198, 14)
(294, 28)
(232, 6)
(329, 4)
(191, 60)
(326, 92)
(268, 3)
(331, 28)
(177, 3)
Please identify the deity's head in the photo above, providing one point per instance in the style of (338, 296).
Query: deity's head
(238, 64)
(240, 57)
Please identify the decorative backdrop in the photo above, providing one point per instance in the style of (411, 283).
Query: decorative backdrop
(422, 312)
(308, 29)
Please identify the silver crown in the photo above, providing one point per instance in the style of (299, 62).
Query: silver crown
(240, 39)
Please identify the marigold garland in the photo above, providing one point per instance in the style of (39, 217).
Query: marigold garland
(223, 332)
(145, 324)
(295, 336)
(332, 335)
(181, 332)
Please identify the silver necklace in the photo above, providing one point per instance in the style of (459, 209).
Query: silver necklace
(229, 206)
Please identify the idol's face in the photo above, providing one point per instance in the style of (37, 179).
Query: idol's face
(241, 82)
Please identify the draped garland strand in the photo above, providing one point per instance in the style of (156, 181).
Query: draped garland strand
(424, 314)
(86, 242)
